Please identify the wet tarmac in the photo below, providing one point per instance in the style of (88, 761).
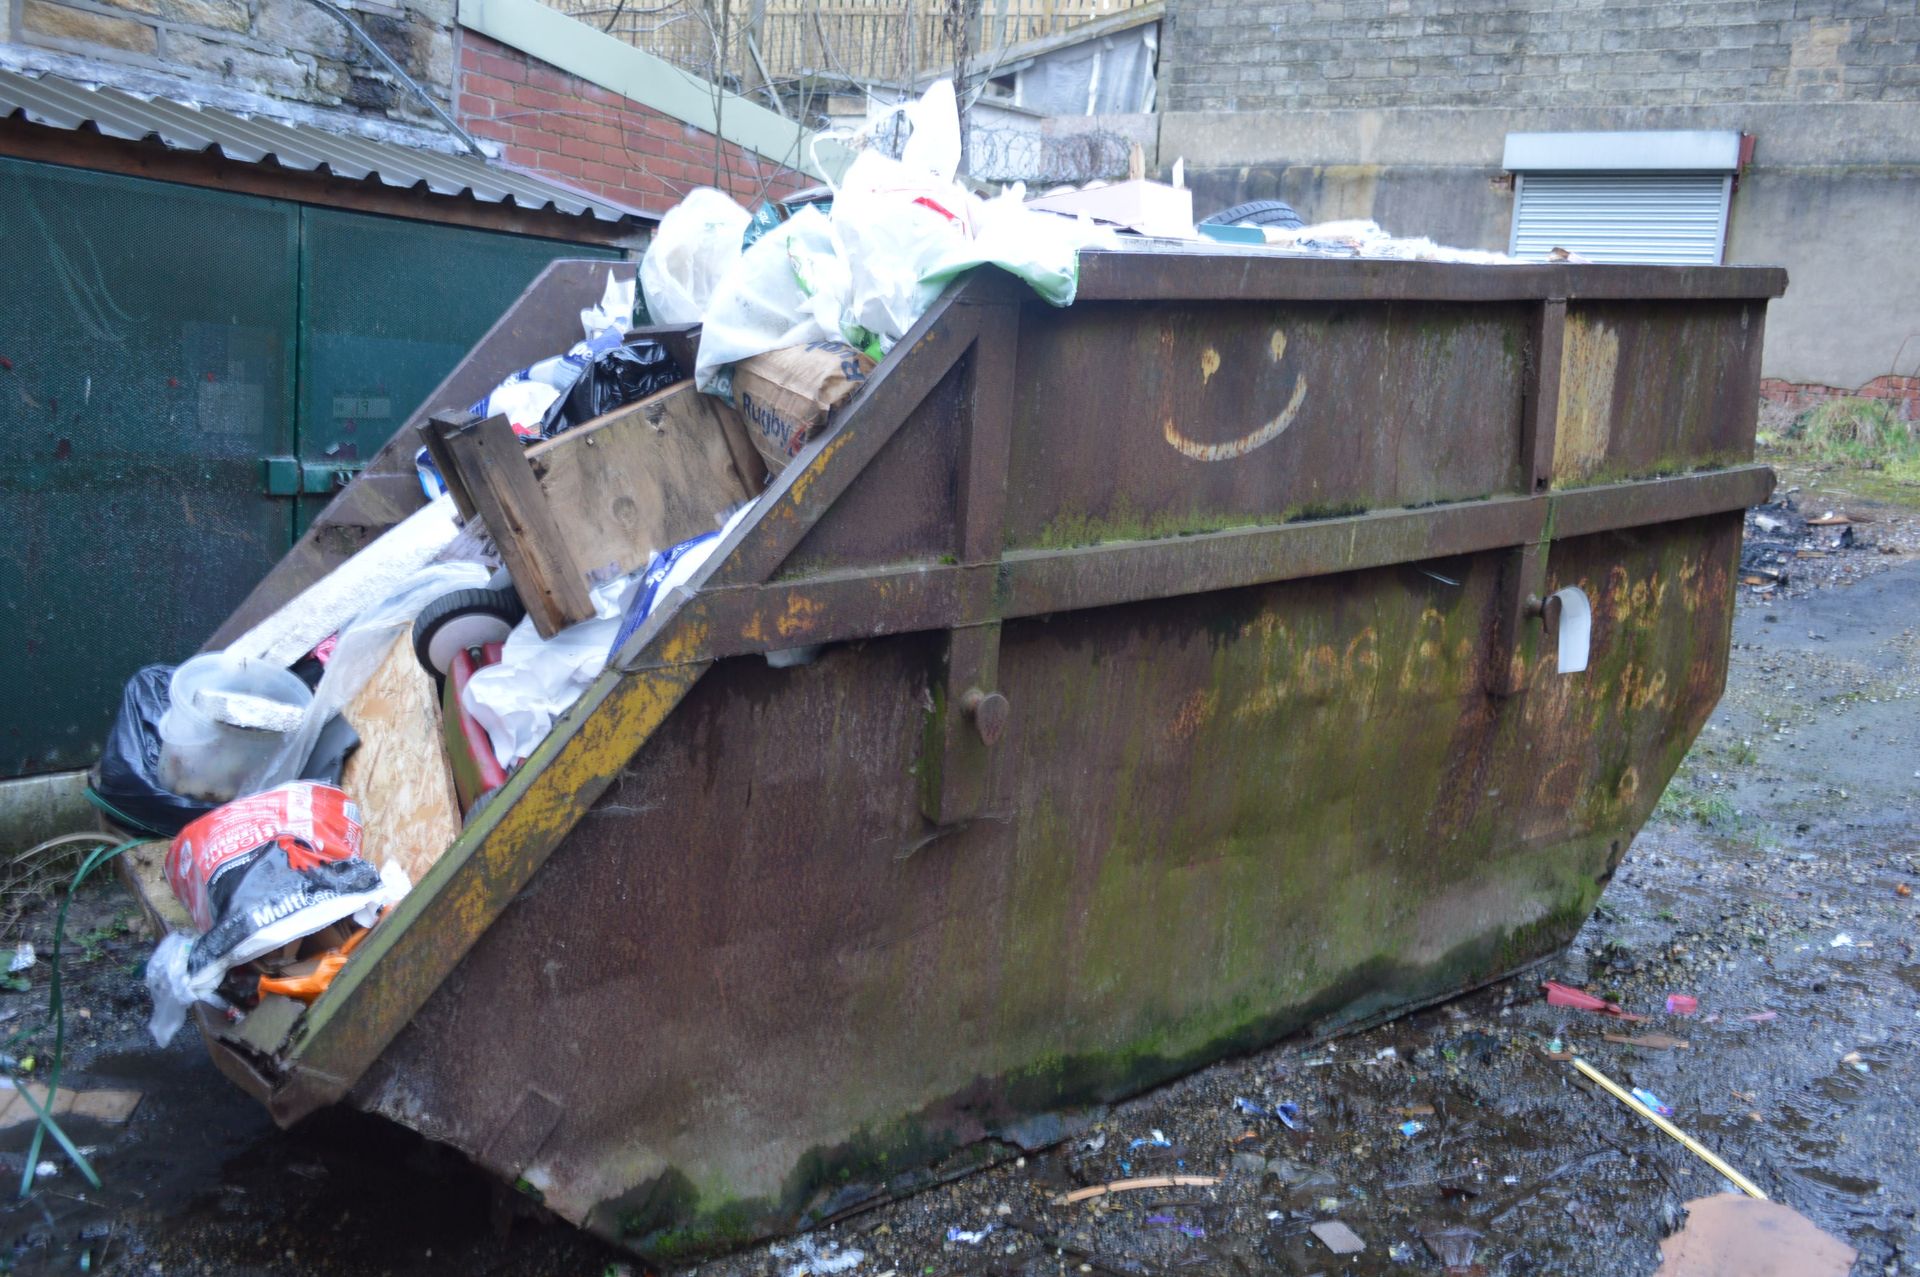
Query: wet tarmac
(1773, 886)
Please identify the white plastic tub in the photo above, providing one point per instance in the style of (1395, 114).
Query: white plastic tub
(226, 718)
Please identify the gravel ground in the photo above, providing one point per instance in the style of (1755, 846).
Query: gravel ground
(1773, 885)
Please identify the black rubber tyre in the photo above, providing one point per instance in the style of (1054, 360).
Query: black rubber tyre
(1256, 213)
(463, 619)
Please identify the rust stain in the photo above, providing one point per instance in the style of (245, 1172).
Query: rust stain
(798, 618)
(1194, 713)
(684, 643)
(798, 492)
(1590, 358)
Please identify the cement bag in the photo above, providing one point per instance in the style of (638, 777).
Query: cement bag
(786, 396)
(257, 875)
(789, 288)
(697, 244)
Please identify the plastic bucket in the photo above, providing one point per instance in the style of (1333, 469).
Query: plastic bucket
(206, 758)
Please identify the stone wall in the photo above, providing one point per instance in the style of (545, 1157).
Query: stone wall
(1239, 55)
(1398, 110)
(284, 49)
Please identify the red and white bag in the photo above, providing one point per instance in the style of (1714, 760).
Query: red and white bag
(256, 875)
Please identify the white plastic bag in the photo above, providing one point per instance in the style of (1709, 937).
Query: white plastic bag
(518, 698)
(535, 680)
(895, 224)
(697, 243)
(788, 289)
(934, 146)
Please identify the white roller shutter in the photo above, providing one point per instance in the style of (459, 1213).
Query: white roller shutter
(1674, 218)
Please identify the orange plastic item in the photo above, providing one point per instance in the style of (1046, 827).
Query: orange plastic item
(311, 985)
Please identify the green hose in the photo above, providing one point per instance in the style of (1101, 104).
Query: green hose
(56, 1009)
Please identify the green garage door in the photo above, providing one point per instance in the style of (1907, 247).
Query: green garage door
(157, 343)
(387, 308)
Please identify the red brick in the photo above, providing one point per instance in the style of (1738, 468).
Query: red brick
(581, 148)
(530, 133)
(500, 68)
(558, 165)
(498, 130)
(522, 156)
(473, 106)
(540, 99)
(487, 86)
(611, 174)
(547, 76)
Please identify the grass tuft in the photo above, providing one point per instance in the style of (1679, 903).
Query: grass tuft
(1858, 434)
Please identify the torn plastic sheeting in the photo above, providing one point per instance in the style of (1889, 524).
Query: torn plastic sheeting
(1362, 237)
(537, 680)
(813, 1259)
(356, 654)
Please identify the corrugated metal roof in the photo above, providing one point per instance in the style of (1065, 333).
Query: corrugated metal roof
(66, 104)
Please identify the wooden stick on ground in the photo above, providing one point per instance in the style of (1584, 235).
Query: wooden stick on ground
(1132, 1185)
(1692, 1145)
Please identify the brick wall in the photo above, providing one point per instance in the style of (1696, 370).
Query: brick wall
(1902, 393)
(559, 125)
(1249, 55)
(285, 49)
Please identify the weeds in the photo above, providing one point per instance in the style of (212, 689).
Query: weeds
(1855, 434)
(1683, 801)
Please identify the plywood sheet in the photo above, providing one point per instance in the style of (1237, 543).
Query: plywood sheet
(643, 478)
(409, 812)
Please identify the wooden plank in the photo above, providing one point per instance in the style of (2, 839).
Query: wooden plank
(432, 434)
(642, 478)
(400, 776)
(143, 869)
(492, 463)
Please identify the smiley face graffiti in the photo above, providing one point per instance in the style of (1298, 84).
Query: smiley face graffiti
(1235, 448)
